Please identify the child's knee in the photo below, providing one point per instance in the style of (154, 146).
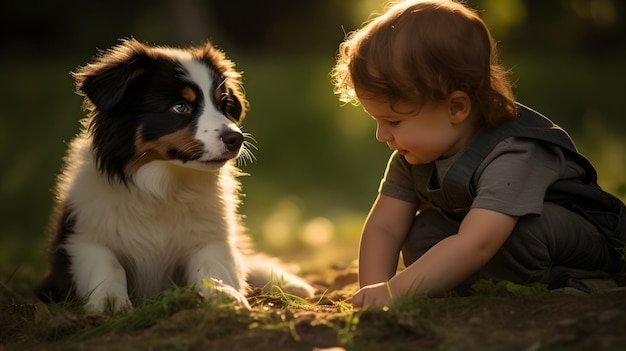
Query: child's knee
(429, 227)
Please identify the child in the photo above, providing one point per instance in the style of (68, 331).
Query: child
(478, 186)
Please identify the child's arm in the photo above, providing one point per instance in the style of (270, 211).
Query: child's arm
(448, 263)
(383, 235)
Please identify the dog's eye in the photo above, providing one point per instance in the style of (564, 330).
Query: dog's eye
(180, 107)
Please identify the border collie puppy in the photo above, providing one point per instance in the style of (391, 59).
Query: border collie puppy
(148, 195)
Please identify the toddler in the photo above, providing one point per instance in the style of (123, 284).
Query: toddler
(478, 186)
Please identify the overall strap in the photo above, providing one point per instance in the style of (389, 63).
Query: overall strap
(580, 195)
(458, 181)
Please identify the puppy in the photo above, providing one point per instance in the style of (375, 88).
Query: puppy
(148, 195)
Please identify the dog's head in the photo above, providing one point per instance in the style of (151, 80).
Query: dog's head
(162, 104)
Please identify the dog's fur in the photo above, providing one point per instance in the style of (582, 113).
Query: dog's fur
(148, 195)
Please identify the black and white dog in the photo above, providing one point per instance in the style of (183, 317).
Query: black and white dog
(148, 195)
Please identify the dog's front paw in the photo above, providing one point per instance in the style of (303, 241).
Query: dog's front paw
(297, 287)
(215, 289)
(105, 303)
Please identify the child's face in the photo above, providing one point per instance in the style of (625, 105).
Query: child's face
(422, 136)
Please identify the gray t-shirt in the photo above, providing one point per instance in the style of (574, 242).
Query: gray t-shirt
(512, 179)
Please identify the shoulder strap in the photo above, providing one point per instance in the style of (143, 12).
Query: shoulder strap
(529, 124)
(581, 195)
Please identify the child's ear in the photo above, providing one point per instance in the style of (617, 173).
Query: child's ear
(460, 106)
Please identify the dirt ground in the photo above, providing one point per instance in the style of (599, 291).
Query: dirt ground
(549, 321)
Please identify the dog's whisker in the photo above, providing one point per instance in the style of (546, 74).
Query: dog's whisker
(247, 148)
(222, 82)
(251, 142)
(245, 156)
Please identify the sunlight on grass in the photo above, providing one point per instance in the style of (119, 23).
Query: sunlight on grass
(286, 225)
(280, 226)
(313, 243)
(318, 231)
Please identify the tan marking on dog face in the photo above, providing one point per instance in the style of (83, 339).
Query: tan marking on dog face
(189, 94)
(186, 147)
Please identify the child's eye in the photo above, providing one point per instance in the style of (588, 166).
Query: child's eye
(393, 123)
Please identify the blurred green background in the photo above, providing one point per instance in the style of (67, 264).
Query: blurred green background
(318, 164)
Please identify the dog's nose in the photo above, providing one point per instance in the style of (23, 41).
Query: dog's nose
(232, 139)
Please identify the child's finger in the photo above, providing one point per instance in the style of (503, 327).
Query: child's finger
(357, 300)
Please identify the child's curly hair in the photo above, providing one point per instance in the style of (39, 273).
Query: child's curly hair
(421, 50)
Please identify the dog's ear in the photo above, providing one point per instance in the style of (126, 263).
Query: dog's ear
(105, 80)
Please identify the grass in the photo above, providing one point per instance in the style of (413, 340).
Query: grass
(182, 319)
(212, 318)
(67, 324)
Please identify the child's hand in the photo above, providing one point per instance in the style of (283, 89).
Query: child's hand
(376, 294)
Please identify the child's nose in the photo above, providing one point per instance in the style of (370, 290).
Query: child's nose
(382, 135)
